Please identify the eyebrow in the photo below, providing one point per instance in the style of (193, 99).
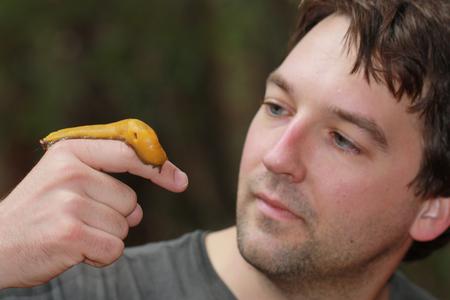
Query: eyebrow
(366, 124)
(279, 81)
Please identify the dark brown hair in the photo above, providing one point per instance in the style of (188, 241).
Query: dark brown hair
(404, 44)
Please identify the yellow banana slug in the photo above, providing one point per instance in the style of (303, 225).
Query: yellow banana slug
(141, 137)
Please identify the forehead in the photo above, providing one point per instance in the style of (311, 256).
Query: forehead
(318, 73)
(324, 59)
(319, 69)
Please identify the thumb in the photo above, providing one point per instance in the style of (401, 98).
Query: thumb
(169, 176)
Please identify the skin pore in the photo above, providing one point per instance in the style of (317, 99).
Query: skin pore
(324, 210)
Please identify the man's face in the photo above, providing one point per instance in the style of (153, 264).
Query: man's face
(323, 183)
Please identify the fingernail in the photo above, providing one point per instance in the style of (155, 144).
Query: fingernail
(180, 178)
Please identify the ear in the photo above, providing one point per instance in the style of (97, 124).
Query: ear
(432, 220)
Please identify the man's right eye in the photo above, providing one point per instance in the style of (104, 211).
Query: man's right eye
(274, 109)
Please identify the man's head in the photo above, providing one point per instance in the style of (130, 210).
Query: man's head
(348, 160)
(403, 44)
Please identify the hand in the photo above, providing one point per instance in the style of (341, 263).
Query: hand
(67, 210)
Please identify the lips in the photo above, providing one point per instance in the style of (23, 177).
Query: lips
(274, 208)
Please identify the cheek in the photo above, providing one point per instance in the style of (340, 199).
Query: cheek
(361, 195)
(352, 181)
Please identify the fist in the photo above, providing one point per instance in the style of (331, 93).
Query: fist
(67, 210)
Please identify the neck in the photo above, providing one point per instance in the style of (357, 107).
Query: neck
(252, 284)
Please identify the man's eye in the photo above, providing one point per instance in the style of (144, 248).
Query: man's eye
(344, 144)
(275, 110)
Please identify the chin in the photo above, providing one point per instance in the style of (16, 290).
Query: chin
(271, 247)
(262, 231)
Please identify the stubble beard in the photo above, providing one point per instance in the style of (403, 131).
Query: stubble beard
(283, 264)
(287, 260)
(290, 264)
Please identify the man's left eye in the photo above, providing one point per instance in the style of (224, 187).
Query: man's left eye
(344, 144)
(275, 110)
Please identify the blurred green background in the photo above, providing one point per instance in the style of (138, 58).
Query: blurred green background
(195, 70)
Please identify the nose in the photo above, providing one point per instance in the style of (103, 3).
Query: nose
(286, 156)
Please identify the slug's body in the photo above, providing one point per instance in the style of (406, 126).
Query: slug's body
(141, 137)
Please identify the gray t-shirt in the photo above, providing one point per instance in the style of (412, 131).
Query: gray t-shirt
(177, 269)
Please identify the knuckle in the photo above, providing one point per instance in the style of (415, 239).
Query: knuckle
(123, 228)
(128, 196)
(64, 168)
(58, 147)
(59, 152)
(117, 248)
(131, 196)
(114, 249)
(69, 172)
(70, 231)
(126, 152)
(72, 203)
(63, 163)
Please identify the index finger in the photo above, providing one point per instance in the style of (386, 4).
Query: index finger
(117, 157)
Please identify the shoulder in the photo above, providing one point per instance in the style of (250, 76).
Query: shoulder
(186, 242)
(175, 269)
(158, 270)
(179, 253)
(402, 288)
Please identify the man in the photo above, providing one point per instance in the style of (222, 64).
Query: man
(344, 174)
